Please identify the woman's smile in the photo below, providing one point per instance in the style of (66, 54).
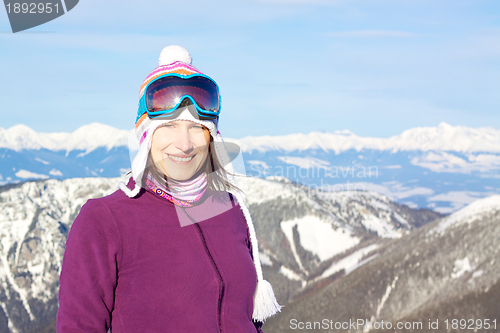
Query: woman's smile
(181, 159)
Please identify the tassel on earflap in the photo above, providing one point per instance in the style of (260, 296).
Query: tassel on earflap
(130, 193)
(265, 304)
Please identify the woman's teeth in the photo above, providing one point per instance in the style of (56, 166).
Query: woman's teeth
(181, 159)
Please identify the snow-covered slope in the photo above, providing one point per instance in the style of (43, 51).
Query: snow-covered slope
(442, 273)
(307, 235)
(34, 221)
(469, 214)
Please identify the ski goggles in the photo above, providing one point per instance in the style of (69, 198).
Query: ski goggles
(163, 96)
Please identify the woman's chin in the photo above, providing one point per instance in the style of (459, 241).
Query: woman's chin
(178, 179)
(181, 175)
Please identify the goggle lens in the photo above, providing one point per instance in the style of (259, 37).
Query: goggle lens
(165, 93)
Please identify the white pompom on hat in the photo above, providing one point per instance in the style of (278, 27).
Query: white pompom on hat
(176, 59)
(173, 53)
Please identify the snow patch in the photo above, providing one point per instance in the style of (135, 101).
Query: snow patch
(350, 262)
(319, 236)
(401, 219)
(380, 227)
(287, 229)
(461, 267)
(265, 259)
(359, 264)
(10, 324)
(290, 274)
(23, 294)
(477, 274)
(381, 304)
(380, 205)
(386, 296)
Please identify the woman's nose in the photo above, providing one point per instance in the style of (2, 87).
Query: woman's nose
(184, 142)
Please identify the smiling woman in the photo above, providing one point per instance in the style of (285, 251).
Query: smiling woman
(175, 249)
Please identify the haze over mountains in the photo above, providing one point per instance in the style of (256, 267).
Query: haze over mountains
(441, 168)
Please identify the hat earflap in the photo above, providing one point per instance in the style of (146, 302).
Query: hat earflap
(265, 304)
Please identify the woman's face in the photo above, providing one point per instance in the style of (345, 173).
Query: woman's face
(179, 149)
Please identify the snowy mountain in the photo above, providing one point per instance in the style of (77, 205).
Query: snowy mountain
(440, 273)
(94, 150)
(35, 218)
(87, 138)
(305, 237)
(442, 168)
(443, 138)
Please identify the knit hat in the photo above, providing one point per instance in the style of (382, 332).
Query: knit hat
(176, 59)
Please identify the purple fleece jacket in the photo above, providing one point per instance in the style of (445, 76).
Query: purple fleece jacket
(131, 267)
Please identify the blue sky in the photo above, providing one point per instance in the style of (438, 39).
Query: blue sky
(375, 68)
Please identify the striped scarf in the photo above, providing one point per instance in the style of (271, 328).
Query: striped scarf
(181, 193)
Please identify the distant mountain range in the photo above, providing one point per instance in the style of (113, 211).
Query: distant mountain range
(441, 168)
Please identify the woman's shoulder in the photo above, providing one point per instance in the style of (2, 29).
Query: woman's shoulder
(106, 214)
(124, 211)
(117, 198)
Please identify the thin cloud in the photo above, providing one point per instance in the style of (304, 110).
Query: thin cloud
(373, 34)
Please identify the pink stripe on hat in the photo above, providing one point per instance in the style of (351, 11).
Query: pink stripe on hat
(143, 136)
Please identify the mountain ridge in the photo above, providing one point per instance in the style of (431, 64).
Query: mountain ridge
(87, 138)
(430, 177)
(444, 137)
